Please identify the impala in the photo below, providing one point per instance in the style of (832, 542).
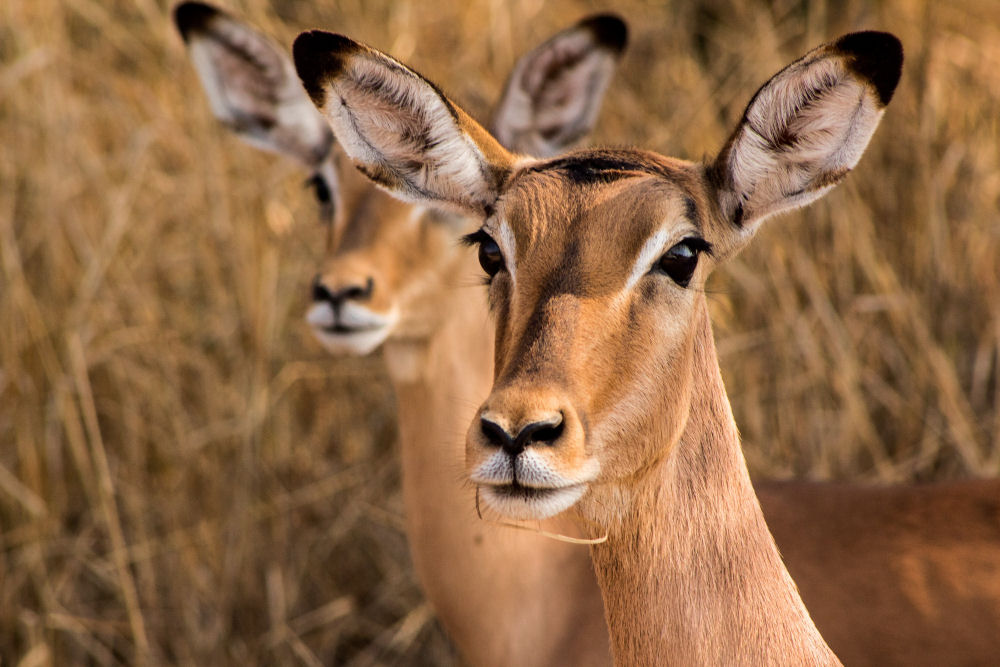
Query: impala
(607, 396)
(391, 278)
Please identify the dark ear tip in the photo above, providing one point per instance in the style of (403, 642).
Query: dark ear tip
(319, 56)
(192, 16)
(609, 30)
(321, 40)
(877, 56)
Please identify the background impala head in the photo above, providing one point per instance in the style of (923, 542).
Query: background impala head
(596, 260)
(385, 260)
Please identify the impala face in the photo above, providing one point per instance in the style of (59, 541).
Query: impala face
(382, 264)
(596, 260)
(593, 311)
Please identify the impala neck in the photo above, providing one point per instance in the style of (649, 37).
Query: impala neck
(437, 379)
(690, 573)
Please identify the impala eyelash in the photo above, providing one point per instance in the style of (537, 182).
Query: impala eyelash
(475, 238)
(699, 244)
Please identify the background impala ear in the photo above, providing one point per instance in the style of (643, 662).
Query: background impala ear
(805, 129)
(251, 85)
(253, 90)
(554, 92)
(399, 129)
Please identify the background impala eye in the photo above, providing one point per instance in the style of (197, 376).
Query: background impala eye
(681, 260)
(490, 257)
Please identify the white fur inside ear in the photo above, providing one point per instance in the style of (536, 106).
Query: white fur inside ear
(252, 88)
(404, 134)
(554, 94)
(800, 136)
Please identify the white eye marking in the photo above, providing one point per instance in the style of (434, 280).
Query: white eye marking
(651, 250)
(416, 215)
(507, 246)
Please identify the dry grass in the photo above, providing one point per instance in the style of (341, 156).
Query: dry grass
(186, 478)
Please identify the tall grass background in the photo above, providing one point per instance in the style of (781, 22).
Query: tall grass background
(186, 478)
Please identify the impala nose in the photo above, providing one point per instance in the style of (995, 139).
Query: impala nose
(336, 297)
(546, 431)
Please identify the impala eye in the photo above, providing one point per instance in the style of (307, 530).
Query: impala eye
(681, 260)
(490, 257)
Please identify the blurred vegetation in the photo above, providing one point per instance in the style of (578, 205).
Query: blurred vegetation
(186, 478)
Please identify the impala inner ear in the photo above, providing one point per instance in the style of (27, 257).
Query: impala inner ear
(805, 129)
(253, 90)
(399, 129)
(554, 93)
(251, 85)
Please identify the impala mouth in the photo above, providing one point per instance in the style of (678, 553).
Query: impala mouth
(528, 486)
(350, 329)
(342, 329)
(529, 502)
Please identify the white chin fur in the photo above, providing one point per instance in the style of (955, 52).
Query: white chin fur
(552, 502)
(372, 328)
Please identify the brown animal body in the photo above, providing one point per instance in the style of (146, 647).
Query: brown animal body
(894, 575)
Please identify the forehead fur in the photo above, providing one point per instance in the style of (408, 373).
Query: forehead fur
(591, 212)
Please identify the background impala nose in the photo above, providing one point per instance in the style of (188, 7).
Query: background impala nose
(546, 431)
(337, 296)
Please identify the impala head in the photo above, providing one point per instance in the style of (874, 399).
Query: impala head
(385, 260)
(596, 260)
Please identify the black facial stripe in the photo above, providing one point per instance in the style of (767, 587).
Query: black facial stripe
(596, 163)
(691, 211)
(536, 342)
(596, 169)
(565, 278)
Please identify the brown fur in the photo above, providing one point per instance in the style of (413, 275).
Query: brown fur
(896, 575)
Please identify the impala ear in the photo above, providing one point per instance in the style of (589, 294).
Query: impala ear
(805, 129)
(399, 129)
(251, 85)
(554, 93)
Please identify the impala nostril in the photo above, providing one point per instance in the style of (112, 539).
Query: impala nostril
(358, 293)
(319, 291)
(495, 434)
(336, 297)
(546, 432)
